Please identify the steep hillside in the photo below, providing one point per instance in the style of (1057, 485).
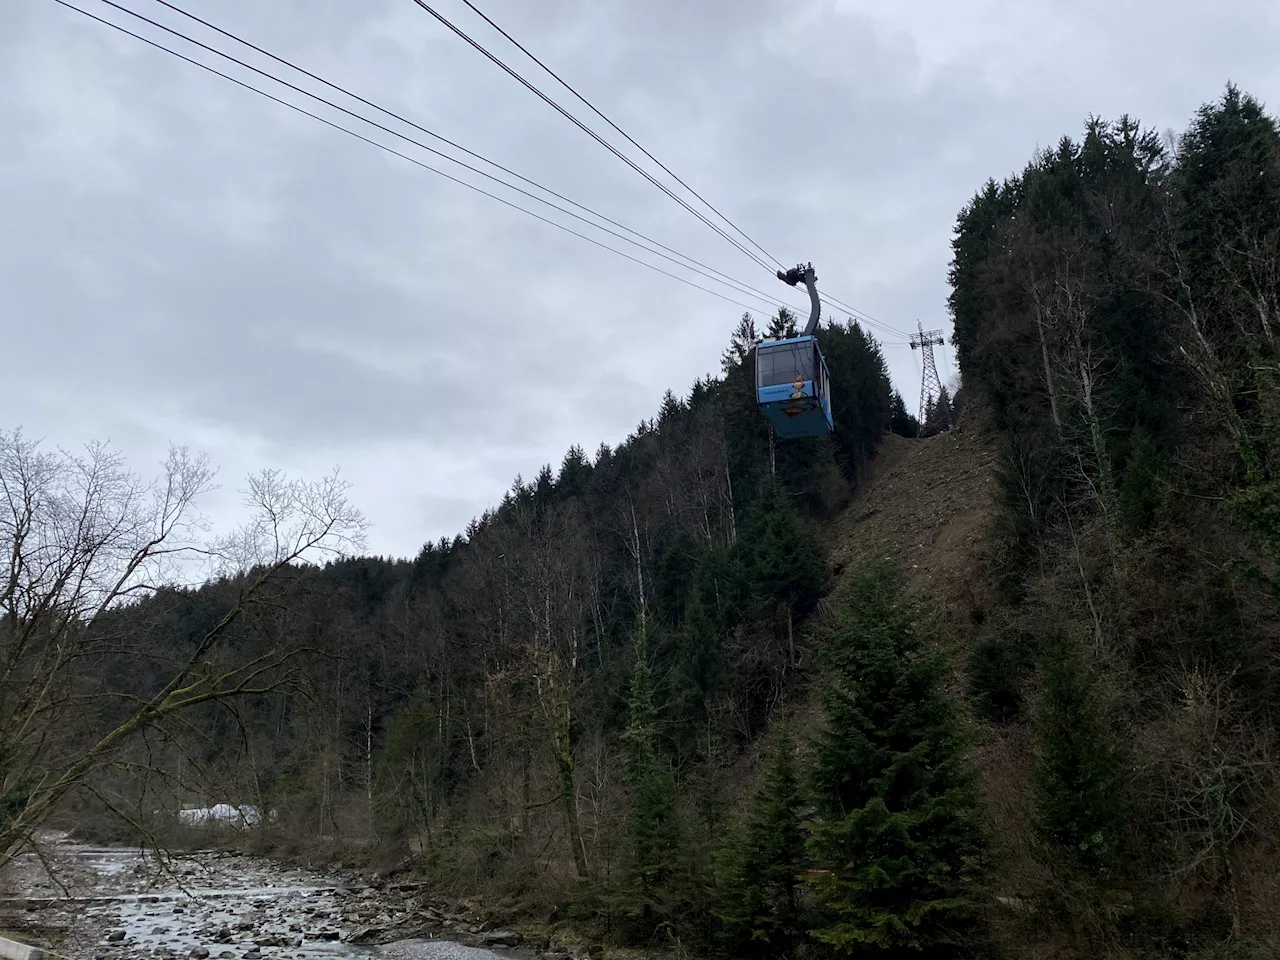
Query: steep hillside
(926, 505)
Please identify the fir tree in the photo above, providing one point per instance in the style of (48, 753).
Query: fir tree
(575, 473)
(861, 394)
(759, 896)
(741, 344)
(651, 825)
(898, 836)
(998, 667)
(939, 416)
(783, 325)
(701, 674)
(780, 556)
(901, 422)
(1081, 796)
(670, 410)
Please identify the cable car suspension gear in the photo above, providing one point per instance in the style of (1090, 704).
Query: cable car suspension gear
(804, 273)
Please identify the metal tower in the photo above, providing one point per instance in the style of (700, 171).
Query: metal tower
(930, 384)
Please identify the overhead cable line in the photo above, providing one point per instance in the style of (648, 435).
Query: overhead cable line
(393, 151)
(564, 83)
(835, 301)
(865, 321)
(431, 133)
(736, 285)
(591, 133)
(593, 109)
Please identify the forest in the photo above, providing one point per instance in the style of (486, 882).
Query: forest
(636, 700)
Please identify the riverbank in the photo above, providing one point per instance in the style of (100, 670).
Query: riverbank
(115, 903)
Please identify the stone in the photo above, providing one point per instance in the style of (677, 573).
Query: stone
(200, 953)
(115, 936)
(501, 938)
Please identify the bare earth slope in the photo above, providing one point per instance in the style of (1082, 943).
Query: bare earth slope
(927, 505)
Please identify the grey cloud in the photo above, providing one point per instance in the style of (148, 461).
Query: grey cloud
(181, 259)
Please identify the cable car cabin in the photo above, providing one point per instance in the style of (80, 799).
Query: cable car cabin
(793, 387)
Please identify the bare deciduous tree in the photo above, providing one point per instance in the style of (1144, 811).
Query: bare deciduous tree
(81, 537)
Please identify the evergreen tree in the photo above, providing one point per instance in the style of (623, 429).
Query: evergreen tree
(670, 410)
(998, 667)
(1228, 181)
(652, 827)
(575, 473)
(743, 341)
(898, 836)
(759, 896)
(861, 394)
(780, 556)
(746, 431)
(1081, 791)
(701, 674)
(782, 326)
(900, 421)
(939, 415)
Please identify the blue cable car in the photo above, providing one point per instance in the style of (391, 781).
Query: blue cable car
(793, 387)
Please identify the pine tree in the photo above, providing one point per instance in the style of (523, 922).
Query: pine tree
(759, 896)
(898, 836)
(1081, 791)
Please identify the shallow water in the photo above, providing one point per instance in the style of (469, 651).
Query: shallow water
(120, 904)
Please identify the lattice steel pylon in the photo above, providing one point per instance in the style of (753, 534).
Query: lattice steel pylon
(930, 384)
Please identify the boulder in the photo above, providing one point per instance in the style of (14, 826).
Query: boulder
(501, 938)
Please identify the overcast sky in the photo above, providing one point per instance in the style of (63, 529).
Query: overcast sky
(183, 260)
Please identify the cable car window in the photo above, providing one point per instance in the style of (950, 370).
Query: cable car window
(775, 365)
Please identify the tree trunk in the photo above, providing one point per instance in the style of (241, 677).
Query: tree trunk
(1048, 373)
(568, 790)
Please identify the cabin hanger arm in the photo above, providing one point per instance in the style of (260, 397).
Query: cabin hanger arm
(795, 275)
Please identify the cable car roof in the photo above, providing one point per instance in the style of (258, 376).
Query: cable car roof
(786, 342)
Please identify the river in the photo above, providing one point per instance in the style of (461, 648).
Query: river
(113, 903)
